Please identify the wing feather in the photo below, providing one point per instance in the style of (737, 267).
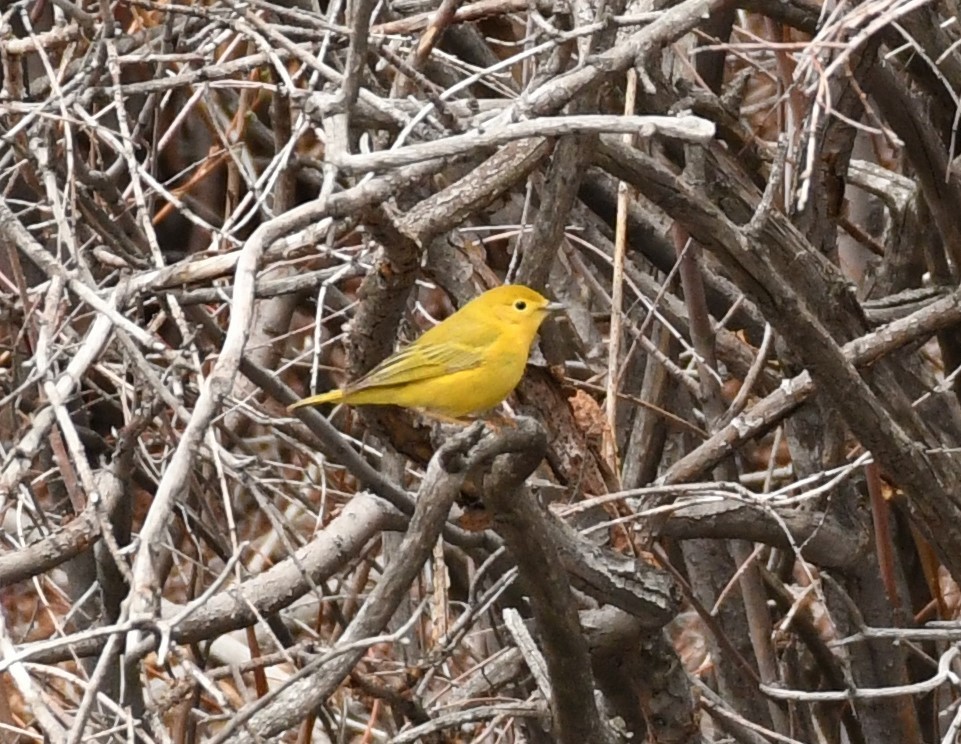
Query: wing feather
(416, 363)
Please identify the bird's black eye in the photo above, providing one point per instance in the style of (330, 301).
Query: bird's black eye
(520, 305)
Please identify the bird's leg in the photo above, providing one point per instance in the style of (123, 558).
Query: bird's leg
(441, 418)
(498, 421)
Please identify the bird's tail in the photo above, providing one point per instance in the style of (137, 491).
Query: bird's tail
(331, 396)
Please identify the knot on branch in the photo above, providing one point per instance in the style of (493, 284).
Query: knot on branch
(481, 443)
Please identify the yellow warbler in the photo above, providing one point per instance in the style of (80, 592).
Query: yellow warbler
(466, 364)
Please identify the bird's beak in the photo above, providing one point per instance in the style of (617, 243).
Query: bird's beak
(554, 307)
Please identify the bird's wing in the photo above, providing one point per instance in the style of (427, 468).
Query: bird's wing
(416, 363)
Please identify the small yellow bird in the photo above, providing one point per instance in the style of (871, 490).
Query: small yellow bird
(465, 364)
